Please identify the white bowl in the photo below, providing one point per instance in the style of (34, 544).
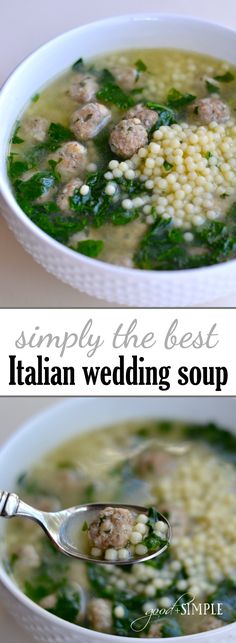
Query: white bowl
(48, 430)
(113, 283)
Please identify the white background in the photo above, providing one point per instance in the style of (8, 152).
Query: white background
(24, 25)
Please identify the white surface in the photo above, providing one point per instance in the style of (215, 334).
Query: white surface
(22, 281)
(35, 440)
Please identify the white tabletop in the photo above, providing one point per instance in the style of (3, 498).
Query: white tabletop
(25, 25)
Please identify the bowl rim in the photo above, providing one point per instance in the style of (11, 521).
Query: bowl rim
(5, 185)
(21, 433)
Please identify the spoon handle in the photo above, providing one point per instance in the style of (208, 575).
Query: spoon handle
(11, 505)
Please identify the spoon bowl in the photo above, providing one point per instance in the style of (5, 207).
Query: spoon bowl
(66, 528)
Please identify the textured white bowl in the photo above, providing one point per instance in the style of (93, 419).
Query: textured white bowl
(113, 283)
(48, 430)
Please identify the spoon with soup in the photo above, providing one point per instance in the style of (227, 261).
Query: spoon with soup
(100, 533)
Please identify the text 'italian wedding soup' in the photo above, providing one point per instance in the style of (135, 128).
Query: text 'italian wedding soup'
(189, 473)
(131, 159)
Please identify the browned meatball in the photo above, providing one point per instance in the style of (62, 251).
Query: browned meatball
(127, 137)
(126, 77)
(148, 117)
(112, 528)
(83, 88)
(87, 121)
(210, 109)
(71, 158)
(211, 623)
(35, 129)
(100, 614)
(155, 461)
(66, 192)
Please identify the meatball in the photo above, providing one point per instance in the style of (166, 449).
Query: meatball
(210, 109)
(66, 192)
(112, 528)
(148, 117)
(126, 77)
(100, 614)
(35, 129)
(28, 557)
(127, 137)
(71, 158)
(83, 88)
(211, 623)
(155, 461)
(87, 121)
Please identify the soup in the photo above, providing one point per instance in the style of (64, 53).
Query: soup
(186, 472)
(131, 159)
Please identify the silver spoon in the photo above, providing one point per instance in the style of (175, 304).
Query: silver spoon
(64, 527)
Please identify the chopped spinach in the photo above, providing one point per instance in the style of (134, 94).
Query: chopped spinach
(37, 185)
(101, 142)
(56, 136)
(16, 167)
(164, 247)
(157, 106)
(140, 65)
(89, 247)
(220, 439)
(51, 574)
(166, 115)
(112, 93)
(225, 78)
(177, 100)
(226, 595)
(211, 87)
(153, 541)
(67, 604)
(170, 628)
(78, 65)
(120, 216)
(89, 493)
(35, 98)
(16, 140)
(100, 582)
(167, 166)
